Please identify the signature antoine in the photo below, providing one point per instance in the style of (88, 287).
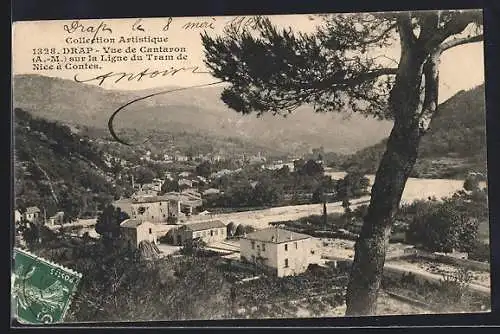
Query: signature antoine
(146, 73)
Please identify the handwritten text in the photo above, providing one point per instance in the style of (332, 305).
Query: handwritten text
(146, 73)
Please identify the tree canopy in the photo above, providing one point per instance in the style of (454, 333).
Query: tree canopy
(108, 222)
(335, 68)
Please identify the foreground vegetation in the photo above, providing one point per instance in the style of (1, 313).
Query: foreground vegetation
(123, 284)
(449, 296)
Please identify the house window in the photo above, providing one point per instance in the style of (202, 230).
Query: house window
(253, 244)
(286, 247)
(296, 245)
(150, 231)
(286, 263)
(211, 233)
(264, 247)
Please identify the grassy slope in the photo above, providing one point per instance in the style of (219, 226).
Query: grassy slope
(54, 165)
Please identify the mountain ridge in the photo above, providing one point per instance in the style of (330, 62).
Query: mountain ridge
(454, 145)
(199, 110)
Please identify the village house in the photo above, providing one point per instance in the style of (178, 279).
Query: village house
(279, 251)
(221, 173)
(181, 158)
(156, 184)
(186, 201)
(56, 219)
(152, 187)
(216, 158)
(17, 216)
(278, 165)
(156, 209)
(256, 159)
(201, 179)
(144, 192)
(192, 194)
(135, 231)
(149, 188)
(185, 183)
(211, 191)
(32, 214)
(184, 174)
(208, 232)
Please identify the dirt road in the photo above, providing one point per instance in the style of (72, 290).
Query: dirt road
(261, 218)
(400, 267)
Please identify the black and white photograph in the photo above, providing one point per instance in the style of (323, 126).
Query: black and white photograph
(250, 167)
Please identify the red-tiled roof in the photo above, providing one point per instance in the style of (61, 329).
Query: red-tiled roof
(32, 209)
(275, 235)
(205, 225)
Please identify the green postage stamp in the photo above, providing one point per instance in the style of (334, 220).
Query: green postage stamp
(41, 290)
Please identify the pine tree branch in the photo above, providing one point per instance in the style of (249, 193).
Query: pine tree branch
(460, 41)
(454, 26)
(380, 37)
(352, 82)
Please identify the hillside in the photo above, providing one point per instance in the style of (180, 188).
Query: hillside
(454, 145)
(58, 170)
(197, 112)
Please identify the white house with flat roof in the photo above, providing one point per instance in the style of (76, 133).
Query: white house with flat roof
(279, 251)
(208, 231)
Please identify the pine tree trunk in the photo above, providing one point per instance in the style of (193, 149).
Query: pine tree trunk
(370, 248)
(412, 102)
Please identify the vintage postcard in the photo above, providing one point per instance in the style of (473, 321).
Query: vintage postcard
(250, 167)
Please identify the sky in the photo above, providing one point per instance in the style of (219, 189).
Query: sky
(461, 68)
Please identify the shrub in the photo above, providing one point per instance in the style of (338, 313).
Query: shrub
(444, 228)
(481, 252)
(166, 239)
(240, 230)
